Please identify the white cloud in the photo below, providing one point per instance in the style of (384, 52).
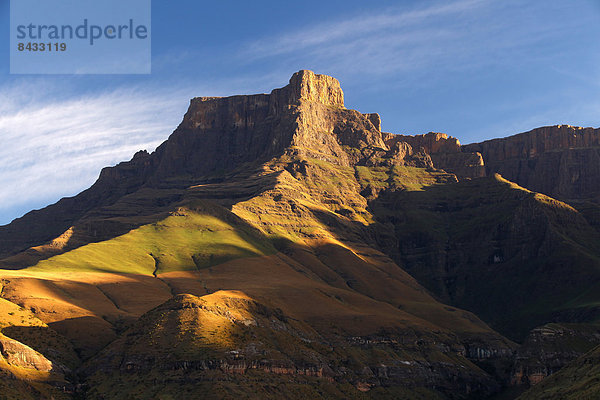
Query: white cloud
(51, 149)
(355, 28)
(403, 41)
(393, 40)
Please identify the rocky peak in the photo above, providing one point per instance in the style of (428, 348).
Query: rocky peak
(305, 118)
(245, 111)
(307, 86)
(375, 120)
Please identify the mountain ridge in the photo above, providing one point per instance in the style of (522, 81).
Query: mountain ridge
(305, 208)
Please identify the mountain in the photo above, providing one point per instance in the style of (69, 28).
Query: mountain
(281, 244)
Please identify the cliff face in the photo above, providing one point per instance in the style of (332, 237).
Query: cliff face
(19, 355)
(577, 380)
(446, 153)
(484, 238)
(220, 134)
(561, 161)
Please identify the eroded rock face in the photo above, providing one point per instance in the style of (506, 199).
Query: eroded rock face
(19, 355)
(432, 142)
(561, 161)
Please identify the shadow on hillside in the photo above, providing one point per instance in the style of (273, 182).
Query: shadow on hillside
(490, 247)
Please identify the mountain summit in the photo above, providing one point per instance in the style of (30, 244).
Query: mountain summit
(282, 245)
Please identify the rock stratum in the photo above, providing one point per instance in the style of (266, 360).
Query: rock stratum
(282, 245)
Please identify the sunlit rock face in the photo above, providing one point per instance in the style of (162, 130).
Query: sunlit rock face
(19, 355)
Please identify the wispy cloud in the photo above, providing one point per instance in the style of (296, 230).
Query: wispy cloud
(55, 148)
(354, 27)
(454, 35)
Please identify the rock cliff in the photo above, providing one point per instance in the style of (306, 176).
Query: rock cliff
(217, 136)
(562, 161)
(445, 151)
(17, 354)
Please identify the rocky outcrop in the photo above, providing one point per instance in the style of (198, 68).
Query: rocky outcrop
(445, 151)
(19, 355)
(305, 117)
(576, 381)
(549, 348)
(431, 142)
(561, 161)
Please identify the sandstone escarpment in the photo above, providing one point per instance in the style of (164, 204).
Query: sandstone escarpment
(561, 161)
(286, 209)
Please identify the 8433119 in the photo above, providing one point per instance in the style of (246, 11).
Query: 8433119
(42, 46)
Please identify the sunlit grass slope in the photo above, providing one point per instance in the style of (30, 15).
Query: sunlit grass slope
(186, 240)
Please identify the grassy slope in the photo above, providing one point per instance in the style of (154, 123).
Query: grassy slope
(186, 240)
(210, 328)
(313, 211)
(329, 277)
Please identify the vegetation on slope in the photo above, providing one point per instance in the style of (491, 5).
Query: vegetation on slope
(230, 345)
(188, 239)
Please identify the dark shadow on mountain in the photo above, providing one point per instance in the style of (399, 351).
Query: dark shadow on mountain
(484, 245)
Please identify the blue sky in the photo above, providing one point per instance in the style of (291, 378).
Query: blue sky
(475, 69)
